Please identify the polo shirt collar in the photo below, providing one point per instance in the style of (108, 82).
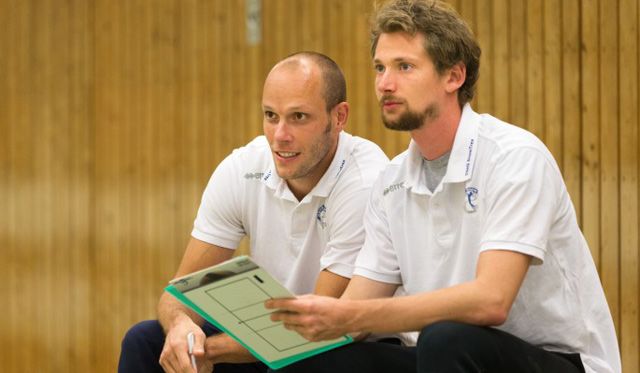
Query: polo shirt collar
(465, 147)
(461, 160)
(340, 161)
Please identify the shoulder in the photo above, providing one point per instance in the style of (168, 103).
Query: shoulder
(363, 160)
(357, 165)
(500, 140)
(363, 150)
(255, 155)
(246, 163)
(508, 154)
(256, 149)
(395, 171)
(392, 177)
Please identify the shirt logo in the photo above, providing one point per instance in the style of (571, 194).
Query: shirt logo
(472, 196)
(341, 166)
(254, 175)
(468, 162)
(393, 188)
(321, 216)
(267, 176)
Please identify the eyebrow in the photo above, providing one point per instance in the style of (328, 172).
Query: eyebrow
(289, 110)
(397, 59)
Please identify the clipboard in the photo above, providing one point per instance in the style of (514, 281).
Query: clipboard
(231, 296)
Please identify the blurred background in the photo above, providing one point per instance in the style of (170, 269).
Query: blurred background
(114, 113)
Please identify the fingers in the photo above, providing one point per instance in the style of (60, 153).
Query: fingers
(313, 317)
(175, 352)
(311, 332)
(286, 317)
(284, 304)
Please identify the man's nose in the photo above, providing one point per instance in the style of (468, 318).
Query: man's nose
(282, 132)
(386, 82)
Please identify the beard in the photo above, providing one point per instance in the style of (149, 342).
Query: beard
(411, 120)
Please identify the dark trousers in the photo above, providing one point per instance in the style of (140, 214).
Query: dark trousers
(142, 345)
(445, 347)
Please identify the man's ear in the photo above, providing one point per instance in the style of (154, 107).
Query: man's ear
(340, 114)
(456, 77)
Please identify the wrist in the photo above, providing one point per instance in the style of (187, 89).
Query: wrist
(178, 317)
(353, 312)
(359, 322)
(172, 313)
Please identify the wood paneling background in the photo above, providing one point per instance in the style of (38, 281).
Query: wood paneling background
(113, 114)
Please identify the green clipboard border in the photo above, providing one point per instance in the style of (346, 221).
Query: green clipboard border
(271, 364)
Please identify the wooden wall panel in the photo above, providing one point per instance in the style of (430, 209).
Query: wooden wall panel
(534, 69)
(570, 160)
(609, 144)
(484, 34)
(502, 36)
(514, 58)
(113, 115)
(551, 87)
(6, 198)
(629, 271)
(590, 125)
(46, 178)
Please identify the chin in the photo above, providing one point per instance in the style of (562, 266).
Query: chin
(285, 174)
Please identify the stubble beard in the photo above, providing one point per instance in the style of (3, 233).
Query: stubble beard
(317, 151)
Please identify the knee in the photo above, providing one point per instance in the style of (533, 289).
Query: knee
(143, 333)
(445, 340)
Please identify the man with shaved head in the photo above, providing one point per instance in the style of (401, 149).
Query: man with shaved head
(298, 193)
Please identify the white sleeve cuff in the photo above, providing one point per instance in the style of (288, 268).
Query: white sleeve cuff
(340, 269)
(377, 276)
(227, 244)
(535, 252)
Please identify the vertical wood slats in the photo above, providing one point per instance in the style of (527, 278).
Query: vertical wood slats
(609, 143)
(629, 151)
(114, 113)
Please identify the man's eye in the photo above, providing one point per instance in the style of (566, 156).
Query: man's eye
(300, 116)
(270, 115)
(378, 68)
(405, 66)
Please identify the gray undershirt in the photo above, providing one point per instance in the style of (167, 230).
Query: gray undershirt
(435, 170)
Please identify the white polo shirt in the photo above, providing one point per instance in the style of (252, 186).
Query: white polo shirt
(502, 190)
(294, 240)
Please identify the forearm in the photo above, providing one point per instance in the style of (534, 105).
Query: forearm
(171, 312)
(467, 302)
(485, 300)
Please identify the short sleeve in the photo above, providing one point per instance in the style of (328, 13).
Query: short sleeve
(346, 233)
(219, 218)
(377, 259)
(522, 201)
(347, 203)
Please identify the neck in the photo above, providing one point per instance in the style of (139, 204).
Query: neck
(435, 137)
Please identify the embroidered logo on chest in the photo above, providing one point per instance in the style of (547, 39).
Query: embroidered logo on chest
(472, 197)
(321, 216)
